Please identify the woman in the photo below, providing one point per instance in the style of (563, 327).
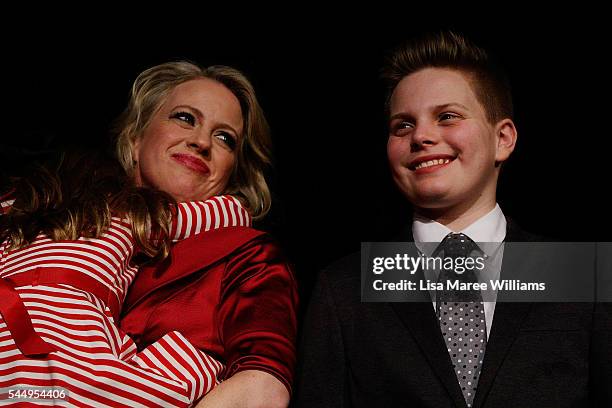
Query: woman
(195, 133)
(71, 235)
(187, 126)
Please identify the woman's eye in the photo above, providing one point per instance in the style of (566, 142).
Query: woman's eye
(227, 138)
(184, 117)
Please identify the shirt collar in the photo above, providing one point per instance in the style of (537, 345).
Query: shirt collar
(491, 227)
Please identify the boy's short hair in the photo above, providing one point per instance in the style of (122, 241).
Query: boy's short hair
(447, 49)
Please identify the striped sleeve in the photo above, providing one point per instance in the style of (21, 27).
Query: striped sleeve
(195, 217)
(175, 357)
(6, 202)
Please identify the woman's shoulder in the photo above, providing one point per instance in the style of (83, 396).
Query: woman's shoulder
(262, 247)
(261, 258)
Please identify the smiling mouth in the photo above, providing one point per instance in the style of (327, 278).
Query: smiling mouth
(192, 163)
(430, 163)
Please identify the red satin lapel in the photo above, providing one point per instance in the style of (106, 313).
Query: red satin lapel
(187, 257)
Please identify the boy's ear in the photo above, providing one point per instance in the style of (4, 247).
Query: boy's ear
(506, 139)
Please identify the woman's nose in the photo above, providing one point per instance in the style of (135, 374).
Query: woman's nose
(201, 142)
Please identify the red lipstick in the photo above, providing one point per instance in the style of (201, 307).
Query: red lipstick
(191, 162)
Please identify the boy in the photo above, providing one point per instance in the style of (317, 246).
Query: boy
(450, 129)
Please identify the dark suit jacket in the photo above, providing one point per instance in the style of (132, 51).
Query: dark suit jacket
(357, 354)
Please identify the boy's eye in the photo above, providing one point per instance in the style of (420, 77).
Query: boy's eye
(184, 117)
(401, 126)
(404, 125)
(448, 116)
(228, 139)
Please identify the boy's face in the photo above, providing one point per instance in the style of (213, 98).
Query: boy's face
(441, 148)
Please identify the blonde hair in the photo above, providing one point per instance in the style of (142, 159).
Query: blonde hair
(253, 152)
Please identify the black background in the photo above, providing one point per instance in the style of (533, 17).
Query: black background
(317, 80)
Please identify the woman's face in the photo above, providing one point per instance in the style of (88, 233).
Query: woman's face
(189, 148)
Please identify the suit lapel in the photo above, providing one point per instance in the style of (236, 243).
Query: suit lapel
(507, 318)
(422, 323)
(507, 321)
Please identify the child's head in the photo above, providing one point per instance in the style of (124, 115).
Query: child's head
(450, 122)
(75, 193)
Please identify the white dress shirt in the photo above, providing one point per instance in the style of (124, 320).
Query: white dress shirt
(489, 229)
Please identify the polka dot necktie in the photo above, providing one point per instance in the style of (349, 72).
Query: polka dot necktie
(461, 316)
